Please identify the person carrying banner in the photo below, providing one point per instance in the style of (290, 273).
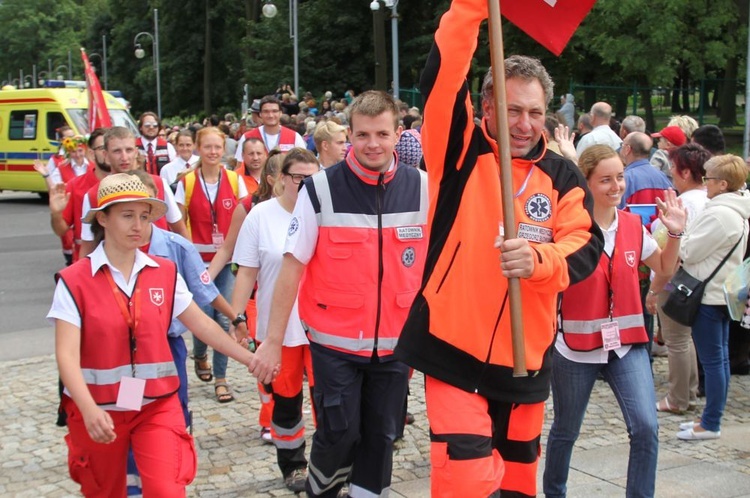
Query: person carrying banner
(485, 424)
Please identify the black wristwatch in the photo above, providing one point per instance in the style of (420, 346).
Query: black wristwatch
(241, 318)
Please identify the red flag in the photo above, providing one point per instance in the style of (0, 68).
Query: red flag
(98, 113)
(550, 22)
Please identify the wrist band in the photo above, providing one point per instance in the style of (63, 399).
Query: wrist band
(45, 176)
(652, 292)
(675, 235)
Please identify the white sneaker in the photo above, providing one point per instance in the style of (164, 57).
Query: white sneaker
(658, 349)
(688, 425)
(693, 435)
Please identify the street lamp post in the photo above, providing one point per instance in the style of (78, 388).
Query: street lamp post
(269, 10)
(59, 72)
(393, 5)
(104, 61)
(42, 77)
(140, 53)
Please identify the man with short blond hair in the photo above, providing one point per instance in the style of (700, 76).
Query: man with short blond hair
(330, 141)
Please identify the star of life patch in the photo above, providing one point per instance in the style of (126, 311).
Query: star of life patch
(408, 257)
(538, 207)
(293, 226)
(534, 233)
(409, 233)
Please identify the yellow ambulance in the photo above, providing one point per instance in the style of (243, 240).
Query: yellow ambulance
(29, 123)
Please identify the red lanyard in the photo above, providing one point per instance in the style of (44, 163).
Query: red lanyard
(131, 311)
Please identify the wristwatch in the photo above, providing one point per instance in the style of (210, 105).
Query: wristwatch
(241, 318)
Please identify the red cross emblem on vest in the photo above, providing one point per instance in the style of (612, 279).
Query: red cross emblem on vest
(157, 296)
(630, 258)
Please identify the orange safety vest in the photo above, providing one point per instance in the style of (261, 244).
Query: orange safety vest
(105, 336)
(202, 215)
(585, 305)
(368, 262)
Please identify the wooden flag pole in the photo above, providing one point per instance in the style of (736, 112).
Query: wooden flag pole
(497, 57)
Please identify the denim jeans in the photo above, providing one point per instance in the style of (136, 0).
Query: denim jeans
(633, 385)
(225, 283)
(711, 336)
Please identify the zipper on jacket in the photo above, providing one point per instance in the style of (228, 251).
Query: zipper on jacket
(492, 342)
(379, 203)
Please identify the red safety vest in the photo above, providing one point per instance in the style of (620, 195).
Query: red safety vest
(287, 140)
(63, 166)
(161, 155)
(585, 305)
(105, 336)
(343, 300)
(200, 212)
(78, 188)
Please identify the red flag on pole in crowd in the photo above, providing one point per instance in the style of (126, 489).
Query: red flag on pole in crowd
(549, 22)
(98, 113)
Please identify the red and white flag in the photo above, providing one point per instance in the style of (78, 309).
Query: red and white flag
(550, 22)
(98, 113)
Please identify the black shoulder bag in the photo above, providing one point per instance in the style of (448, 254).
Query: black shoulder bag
(685, 299)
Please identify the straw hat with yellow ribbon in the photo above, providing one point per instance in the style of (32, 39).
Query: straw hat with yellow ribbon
(121, 187)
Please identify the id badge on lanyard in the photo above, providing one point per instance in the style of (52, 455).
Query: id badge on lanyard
(611, 329)
(217, 237)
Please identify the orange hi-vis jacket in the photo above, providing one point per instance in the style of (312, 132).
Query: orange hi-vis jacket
(110, 350)
(202, 216)
(614, 281)
(458, 328)
(367, 266)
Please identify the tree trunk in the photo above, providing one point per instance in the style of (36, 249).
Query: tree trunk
(207, 64)
(621, 105)
(648, 109)
(675, 105)
(686, 107)
(728, 98)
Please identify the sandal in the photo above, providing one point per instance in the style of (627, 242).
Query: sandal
(223, 392)
(203, 368)
(664, 406)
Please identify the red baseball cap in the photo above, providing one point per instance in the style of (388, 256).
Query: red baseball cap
(672, 133)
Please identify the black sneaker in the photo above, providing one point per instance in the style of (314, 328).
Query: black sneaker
(295, 481)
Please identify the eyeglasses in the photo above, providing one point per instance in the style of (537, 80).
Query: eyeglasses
(150, 125)
(707, 178)
(297, 178)
(101, 147)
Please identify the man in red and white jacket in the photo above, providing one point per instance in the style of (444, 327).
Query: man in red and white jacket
(271, 132)
(156, 150)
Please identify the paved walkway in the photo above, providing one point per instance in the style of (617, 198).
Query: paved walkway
(234, 463)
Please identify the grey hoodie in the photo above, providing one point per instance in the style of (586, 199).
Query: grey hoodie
(568, 110)
(711, 236)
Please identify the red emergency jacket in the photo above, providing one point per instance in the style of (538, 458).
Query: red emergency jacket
(161, 155)
(368, 262)
(585, 305)
(105, 336)
(200, 212)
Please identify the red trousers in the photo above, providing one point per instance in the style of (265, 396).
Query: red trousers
(164, 451)
(468, 457)
(266, 400)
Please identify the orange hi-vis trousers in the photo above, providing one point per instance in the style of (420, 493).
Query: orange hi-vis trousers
(266, 400)
(287, 422)
(468, 458)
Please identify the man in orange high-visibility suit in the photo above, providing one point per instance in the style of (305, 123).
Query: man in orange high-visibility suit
(485, 424)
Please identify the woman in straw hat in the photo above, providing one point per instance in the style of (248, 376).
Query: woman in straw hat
(112, 311)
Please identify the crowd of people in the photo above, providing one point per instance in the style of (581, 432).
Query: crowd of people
(343, 244)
